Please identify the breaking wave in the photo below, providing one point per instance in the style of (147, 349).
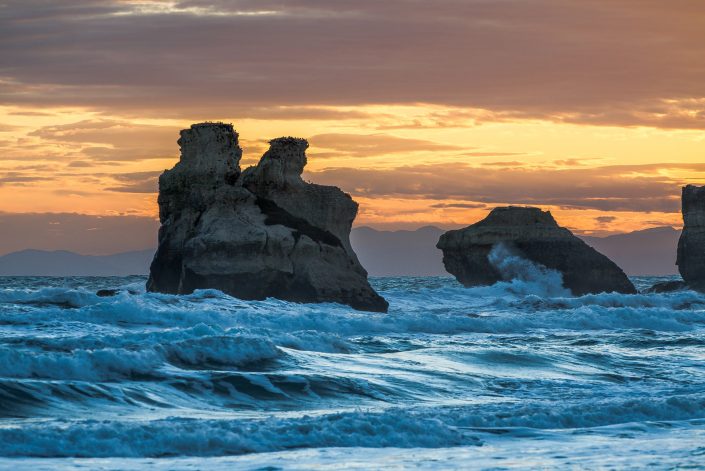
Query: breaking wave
(533, 278)
(149, 375)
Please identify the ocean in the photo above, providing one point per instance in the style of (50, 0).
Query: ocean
(519, 375)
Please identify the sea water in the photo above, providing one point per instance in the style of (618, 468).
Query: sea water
(515, 375)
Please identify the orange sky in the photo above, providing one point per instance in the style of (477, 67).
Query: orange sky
(426, 115)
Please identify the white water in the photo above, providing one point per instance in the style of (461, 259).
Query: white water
(519, 374)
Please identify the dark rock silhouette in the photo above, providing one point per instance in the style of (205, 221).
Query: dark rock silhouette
(260, 233)
(532, 234)
(667, 287)
(691, 245)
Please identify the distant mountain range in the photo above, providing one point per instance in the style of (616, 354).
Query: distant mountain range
(386, 253)
(399, 253)
(382, 253)
(648, 252)
(64, 263)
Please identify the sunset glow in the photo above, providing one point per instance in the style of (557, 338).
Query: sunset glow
(582, 122)
(352, 234)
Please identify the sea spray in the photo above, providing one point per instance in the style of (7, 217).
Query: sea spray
(524, 275)
(521, 363)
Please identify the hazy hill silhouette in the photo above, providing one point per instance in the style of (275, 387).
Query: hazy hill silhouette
(399, 253)
(65, 263)
(648, 252)
(382, 253)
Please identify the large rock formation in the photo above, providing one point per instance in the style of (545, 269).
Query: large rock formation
(255, 234)
(534, 235)
(691, 245)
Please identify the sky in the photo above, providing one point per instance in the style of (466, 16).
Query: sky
(427, 113)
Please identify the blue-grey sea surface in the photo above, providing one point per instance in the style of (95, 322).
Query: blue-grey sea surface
(511, 376)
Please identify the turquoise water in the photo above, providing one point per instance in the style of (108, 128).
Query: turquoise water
(516, 375)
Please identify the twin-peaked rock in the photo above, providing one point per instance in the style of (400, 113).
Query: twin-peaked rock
(258, 233)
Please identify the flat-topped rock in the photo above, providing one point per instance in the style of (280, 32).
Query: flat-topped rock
(691, 245)
(258, 233)
(532, 234)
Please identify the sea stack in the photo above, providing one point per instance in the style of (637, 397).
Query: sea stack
(258, 233)
(691, 245)
(532, 234)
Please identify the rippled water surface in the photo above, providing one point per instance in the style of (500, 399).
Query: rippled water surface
(514, 375)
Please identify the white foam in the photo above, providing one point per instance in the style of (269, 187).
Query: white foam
(524, 276)
(192, 437)
(132, 360)
(423, 427)
(519, 357)
(222, 350)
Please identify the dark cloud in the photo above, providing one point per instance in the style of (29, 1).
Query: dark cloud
(605, 219)
(113, 140)
(132, 177)
(147, 186)
(72, 192)
(623, 62)
(80, 164)
(36, 167)
(29, 113)
(76, 232)
(21, 178)
(367, 145)
(298, 113)
(573, 162)
(136, 182)
(492, 154)
(640, 188)
(459, 205)
(7, 127)
(511, 163)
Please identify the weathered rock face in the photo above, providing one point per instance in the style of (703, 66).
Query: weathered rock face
(255, 234)
(691, 245)
(532, 234)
